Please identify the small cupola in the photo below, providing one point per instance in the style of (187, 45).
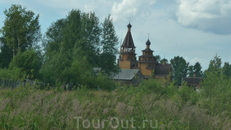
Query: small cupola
(148, 43)
(129, 27)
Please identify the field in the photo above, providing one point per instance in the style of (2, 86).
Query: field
(151, 105)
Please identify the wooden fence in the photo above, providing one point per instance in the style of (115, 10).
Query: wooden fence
(4, 83)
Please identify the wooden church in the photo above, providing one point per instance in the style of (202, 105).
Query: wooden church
(146, 64)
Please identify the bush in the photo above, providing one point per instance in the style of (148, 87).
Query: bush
(28, 62)
(12, 74)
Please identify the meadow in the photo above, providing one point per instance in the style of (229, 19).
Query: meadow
(153, 104)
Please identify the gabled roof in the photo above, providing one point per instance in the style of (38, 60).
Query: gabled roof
(192, 80)
(162, 70)
(126, 74)
(128, 40)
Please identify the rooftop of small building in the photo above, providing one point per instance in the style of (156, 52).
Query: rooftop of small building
(126, 74)
(192, 80)
(162, 69)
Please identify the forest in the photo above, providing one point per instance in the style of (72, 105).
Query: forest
(69, 51)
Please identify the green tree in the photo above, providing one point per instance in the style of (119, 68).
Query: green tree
(5, 57)
(54, 65)
(195, 70)
(76, 44)
(180, 68)
(214, 66)
(226, 69)
(215, 63)
(28, 62)
(164, 61)
(77, 30)
(158, 58)
(20, 32)
(109, 50)
(79, 34)
(191, 71)
(91, 34)
(53, 37)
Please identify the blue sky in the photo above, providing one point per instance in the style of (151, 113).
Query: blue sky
(194, 29)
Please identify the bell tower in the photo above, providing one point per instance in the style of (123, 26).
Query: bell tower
(147, 62)
(127, 58)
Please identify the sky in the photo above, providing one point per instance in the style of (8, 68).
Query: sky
(196, 30)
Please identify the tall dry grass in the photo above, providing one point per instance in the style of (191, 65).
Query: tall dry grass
(150, 104)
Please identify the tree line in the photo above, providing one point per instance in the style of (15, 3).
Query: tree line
(182, 68)
(67, 52)
(70, 50)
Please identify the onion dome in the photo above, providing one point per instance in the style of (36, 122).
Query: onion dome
(148, 43)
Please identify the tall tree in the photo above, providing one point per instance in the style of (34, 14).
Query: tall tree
(90, 33)
(72, 31)
(195, 70)
(191, 71)
(70, 39)
(5, 53)
(59, 43)
(21, 29)
(77, 30)
(158, 58)
(109, 50)
(226, 69)
(180, 68)
(214, 65)
(53, 37)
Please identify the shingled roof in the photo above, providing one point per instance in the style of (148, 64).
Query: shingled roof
(192, 80)
(162, 69)
(128, 40)
(126, 74)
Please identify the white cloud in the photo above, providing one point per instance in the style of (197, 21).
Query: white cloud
(128, 8)
(207, 15)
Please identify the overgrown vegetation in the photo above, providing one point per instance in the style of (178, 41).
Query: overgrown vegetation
(76, 45)
(152, 104)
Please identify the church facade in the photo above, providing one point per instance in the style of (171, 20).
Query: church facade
(146, 63)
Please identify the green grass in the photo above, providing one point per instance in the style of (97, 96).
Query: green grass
(151, 105)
